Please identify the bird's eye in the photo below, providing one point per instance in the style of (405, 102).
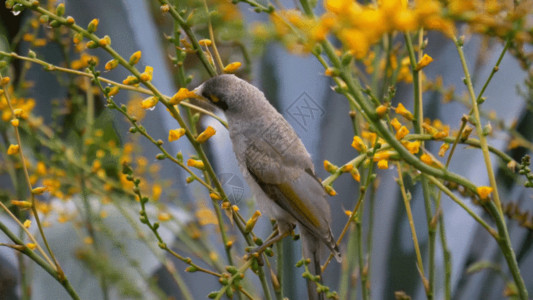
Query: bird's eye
(214, 98)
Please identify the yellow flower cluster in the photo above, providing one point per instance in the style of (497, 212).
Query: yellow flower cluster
(21, 106)
(360, 26)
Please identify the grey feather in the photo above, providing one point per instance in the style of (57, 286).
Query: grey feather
(274, 162)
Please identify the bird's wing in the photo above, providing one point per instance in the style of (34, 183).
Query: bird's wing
(290, 185)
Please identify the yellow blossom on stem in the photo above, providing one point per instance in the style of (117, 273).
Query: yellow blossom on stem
(235, 208)
(355, 174)
(381, 110)
(395, 124)
(338, 6)
(163, 216)
(5, 80)
(346, 168)
(328, 166)
(182, 94)
(232, 67)
(484, 192)
(426, 158)
(147, 74)
(39, 190)
(175, 134)
(31, 246)
(196, 164)
(110, 65)
(13, 149)
(70, 20)
(424, 61)
(214, 196)
(401, 110)
(134, 58)
(443, 149)
(27, 224)
(383, 164)
(21, 204)
(205, 42)
(402, 132)
(156, 191)
(252, 221)
(113, 91)
(206, 134)
(413, 147)
(149, 102)
(330, 191)
(131, 80)
(386, 154)
(358, 144)
(93, 25)
(105, 41)
(15, 122)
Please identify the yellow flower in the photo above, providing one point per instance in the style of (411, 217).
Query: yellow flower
(88, 240)
(113, 91)
(383, 164)
(131, 80)
(32, 246)
(484, 192)
(401, 110)
(338, 6)
(135, 57)
(21, 204)
(105, 41)
(251, 222)
(93, 25)
(330, 167)
(413, 147)
(232, 67)
(5, 80)
(443, 149)
(15, 122)
(163, 216)
(395, 124)
(426, 158)
(70, 20)
(175, 134)
(402, 132)
(424, 61)
(110, 65)
(147, 74)
(205, 42)
(149, 102)
(156, 191)
(346, 168)
(381, 110)
(206, 216)
(13, 149)
(182, 94)
(206, 134)
(330, 191)
(27, 224)
(214, 196)
(355, 174)
(358, 144)
(196, 164)
(39, 190)
(386, 154)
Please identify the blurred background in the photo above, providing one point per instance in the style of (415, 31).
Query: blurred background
(296, 85)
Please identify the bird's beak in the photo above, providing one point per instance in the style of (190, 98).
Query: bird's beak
(198, 93)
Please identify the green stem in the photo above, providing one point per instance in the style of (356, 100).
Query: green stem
(59, 277)
(504, 242)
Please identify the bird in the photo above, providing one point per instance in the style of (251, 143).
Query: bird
(276, 165)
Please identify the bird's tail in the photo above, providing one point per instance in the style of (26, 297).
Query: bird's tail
(311, 250)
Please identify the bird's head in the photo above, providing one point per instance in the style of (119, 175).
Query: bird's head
(227, 92)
